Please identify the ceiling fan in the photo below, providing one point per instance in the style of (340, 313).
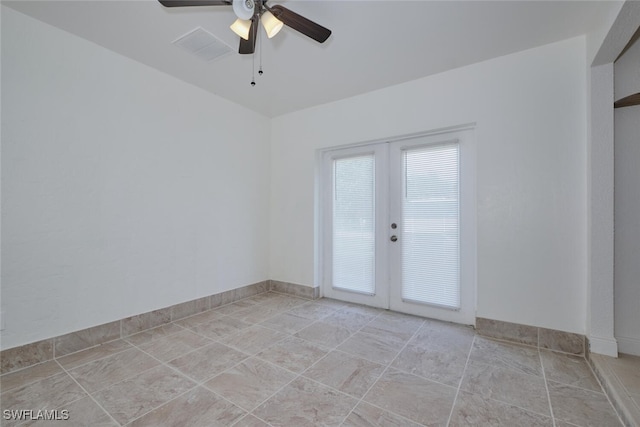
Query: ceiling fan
(250, 12)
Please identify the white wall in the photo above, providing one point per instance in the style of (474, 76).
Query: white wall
(124, 190)
(627, 205)
(599, 208)
(530, 110)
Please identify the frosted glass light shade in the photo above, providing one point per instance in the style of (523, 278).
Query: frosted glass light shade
(241, 27)
(271, 24)
(244, 9)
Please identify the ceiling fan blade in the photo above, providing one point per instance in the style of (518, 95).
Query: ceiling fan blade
(300, 23)
(249, 46)
(181, 3)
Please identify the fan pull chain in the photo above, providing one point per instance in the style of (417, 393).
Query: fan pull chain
(260, 47)
(253, 55)
(253, 69)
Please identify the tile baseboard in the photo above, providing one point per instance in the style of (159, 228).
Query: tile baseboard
(294, 289)
(544, 338)
(16, 358)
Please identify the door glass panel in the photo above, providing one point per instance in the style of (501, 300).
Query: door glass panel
(354, 224)
(430, 226)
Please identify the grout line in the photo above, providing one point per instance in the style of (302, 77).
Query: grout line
(131, 346)
(89, 395)
(195, 381)
(384, 371)
(295, 375)
(164, 404)
(202, 383)
(466, 363)
(301, 374)
(604, 389)
(546, 387)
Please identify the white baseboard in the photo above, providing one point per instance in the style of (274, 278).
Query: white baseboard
(605, 346)
(628, 345)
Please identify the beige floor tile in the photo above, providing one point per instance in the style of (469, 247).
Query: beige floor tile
(636, 399)
(208, 361)
(350, 318)
(220, 328)
(197, 408)
(441, 366)
(284, 302)
(473, 410)
(522, 358)
(136, 396)
(312, 310)
(29, 375)
(250, 421)
(294, 354)
(568, 369)
(287, 322)
(154, 334)
(253, 339)
(379, 348)
(627, 369)
(50, 393)
(306, 403)
(200, 318)
(444, 336)
(420, 400)
(81, 413)
(324, 334)
(344, 372)
(246, 303)
(91, 354)
(331, 303)
(506, 385)
(110, 370)
(256, 314)
(582, 407)
(365, 415)
(401, 325)
(312, 361)
(263, 297)
(560, 423)
(250, 383)
(235, 307)
(173, 346)
(363, 309)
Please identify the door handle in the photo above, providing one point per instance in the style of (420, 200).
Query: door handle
(394, 238)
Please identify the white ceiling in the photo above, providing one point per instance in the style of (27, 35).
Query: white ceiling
(374, 44)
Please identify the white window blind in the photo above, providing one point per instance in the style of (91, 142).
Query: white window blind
(430, 225)
(354, 224)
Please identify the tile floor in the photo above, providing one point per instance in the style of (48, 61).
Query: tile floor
(621, 378)
(627, 369)
(277, 360)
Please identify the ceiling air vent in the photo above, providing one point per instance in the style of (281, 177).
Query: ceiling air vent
(203, 44)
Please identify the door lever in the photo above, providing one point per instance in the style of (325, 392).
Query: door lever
(394, 238)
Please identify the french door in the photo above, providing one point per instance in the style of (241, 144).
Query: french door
(399, 225)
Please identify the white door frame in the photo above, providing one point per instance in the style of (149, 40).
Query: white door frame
(468, 225)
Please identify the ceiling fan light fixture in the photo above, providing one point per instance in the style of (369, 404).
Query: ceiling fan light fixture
(271, 24)
(241, 27)
(244, 9)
